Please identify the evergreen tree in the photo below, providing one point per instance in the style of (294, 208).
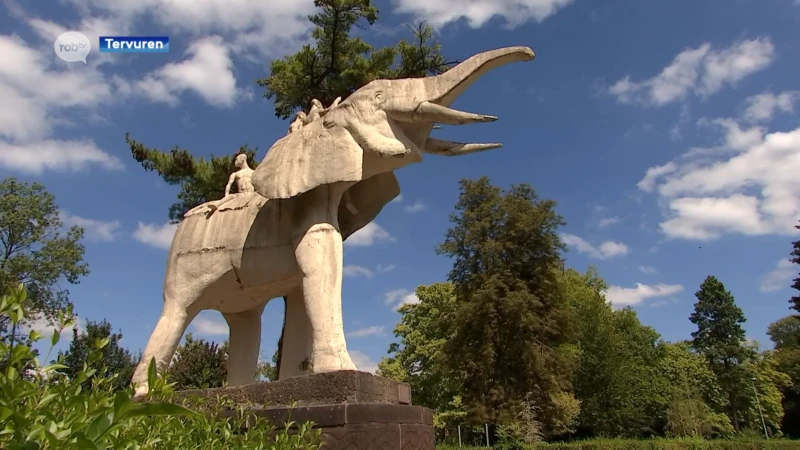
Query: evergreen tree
(116, 362)
(512, 323)
(795, 300)
(199, 364)
(720, 337)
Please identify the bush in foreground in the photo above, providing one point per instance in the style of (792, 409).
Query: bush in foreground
(44, 409)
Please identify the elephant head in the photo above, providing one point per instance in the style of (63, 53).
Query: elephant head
(381, 127)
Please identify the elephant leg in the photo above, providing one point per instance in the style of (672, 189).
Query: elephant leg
(319, 255)
(297, 345)
(244, 346)
(163, 342)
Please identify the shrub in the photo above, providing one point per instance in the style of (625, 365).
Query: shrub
(48, 409)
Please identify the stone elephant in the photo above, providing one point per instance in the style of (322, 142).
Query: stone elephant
(314, 188)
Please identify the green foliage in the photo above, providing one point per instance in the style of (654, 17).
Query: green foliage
(34, 251)
(691, 388)
(200, 180)
(199, 364)
(418, 358)
(795, 300)
(720, 337)
(512, 327)
(769, 383)
(338, 64)
(52, 410)
(115, 359)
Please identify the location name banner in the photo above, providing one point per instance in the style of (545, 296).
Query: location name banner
(134, 44)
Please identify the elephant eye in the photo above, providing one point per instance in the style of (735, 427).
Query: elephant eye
(379, 96)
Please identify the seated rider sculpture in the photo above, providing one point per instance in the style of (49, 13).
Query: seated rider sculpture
(241, 178)
(315, 112)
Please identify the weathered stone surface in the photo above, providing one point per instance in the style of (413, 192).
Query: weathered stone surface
(364, 426)
(282, 236)
(346, 386)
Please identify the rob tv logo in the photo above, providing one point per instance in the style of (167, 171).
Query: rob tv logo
(73, 46)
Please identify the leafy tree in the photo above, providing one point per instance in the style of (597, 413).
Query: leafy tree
(199, 364)
(785, 334)
(691, 389)
(795, 301)
(335, 66)
(115, 364)
(418, 357)
(269, 371)
(33, 251)
(513, 326)
(768, 382)
(720, 338)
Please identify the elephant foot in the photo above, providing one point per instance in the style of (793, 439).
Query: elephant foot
(140, 393)
(333, 362)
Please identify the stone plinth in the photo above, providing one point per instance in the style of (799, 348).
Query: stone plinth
(354, 410)
(346, 386)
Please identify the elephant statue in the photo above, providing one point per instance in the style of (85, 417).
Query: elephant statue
(315, 187)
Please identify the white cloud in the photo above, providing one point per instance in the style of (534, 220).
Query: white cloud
(371, 234)
(207, 71)
(159, 236)
(352, 270)
(363, 362)
(607, 221)
(369, 331)
(744, 186)
(606, 250)
(95, 230)
(56, 155)
(701, 71)
(779, 278)
(385, 268)
(415, 207)
(261, 27)
(397, 199)
(400, 297)
(761, 107)
(478, 12)
(210, 327)
(647, 269)
(46, 328)
(621, 297)
(35, 98)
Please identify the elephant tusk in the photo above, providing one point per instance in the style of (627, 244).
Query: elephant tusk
(431, 112)
(448, 148)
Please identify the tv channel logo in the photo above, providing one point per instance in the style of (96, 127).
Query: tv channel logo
(134, 44)
(72, 46)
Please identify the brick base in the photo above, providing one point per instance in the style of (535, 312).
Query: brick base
(362, 426)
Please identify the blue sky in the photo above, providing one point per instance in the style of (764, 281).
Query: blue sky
(666, 131)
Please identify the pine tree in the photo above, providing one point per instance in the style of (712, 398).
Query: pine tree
(512, 321)
(720, 337)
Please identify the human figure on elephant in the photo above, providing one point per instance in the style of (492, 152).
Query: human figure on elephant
(241, 179)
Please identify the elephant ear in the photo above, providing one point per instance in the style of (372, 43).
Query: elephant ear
(368, 197)
(312, 156)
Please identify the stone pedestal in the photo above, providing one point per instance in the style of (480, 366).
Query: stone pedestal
(354, 410)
